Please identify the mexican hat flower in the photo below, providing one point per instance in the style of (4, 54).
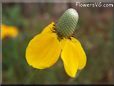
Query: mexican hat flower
(8, 31)
(56, 41)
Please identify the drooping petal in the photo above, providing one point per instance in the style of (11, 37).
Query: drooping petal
(80, 52)
(49, 28)
(43, 51)
(69, 57)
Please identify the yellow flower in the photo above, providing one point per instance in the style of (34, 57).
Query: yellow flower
(8, 31)
(44, 49)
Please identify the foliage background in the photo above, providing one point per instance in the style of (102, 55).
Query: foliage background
(95, 30)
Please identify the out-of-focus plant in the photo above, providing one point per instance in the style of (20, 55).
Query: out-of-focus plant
(9, 31)
(13, 16)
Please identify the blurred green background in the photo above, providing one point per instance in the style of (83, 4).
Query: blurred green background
(95, 30)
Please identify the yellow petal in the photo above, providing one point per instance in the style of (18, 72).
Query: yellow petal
(49, 28)
(43, 51)
(69, 57)
(80, 52)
